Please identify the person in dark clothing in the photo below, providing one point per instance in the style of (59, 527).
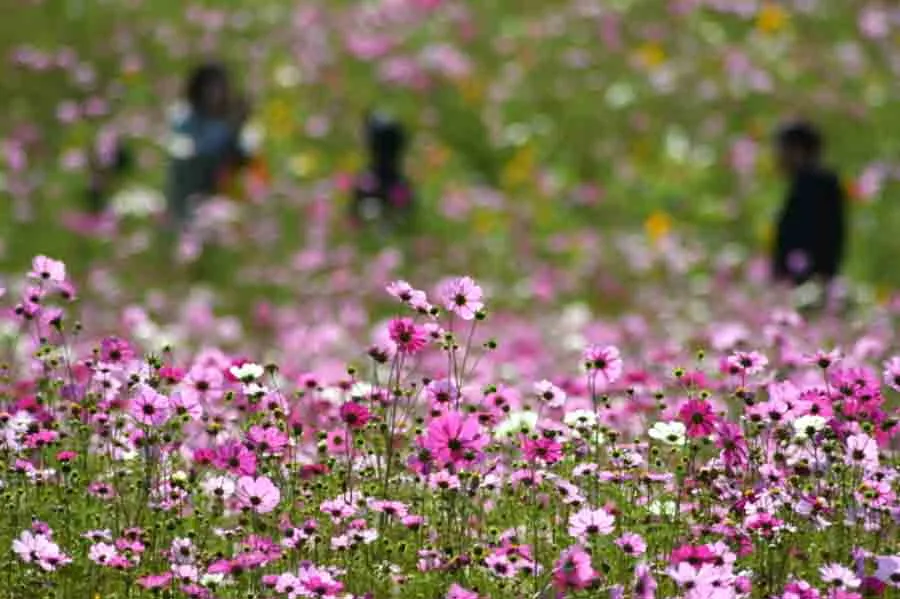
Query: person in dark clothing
(382, 195)
(205, 146)
(810, 238)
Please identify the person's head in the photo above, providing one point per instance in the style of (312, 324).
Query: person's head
(386, 139)
(209, 89)
(798, 145)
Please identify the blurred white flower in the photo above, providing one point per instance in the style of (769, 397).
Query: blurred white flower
(138, 201)
(670, 433)
(181, 146)
(515, 423)
(252, 136)
(805, 425)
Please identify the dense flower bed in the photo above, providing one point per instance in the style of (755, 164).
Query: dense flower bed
(752, 462)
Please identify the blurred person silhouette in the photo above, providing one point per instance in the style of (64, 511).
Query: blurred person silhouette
(810, 237)
(382, 195)
(206, 147)
(109, 160)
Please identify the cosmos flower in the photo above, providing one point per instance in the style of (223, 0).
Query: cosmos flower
(257, 494)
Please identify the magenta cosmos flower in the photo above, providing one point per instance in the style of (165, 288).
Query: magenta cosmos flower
(355, 415)
(604, 361)
(149, 407)
(698, 418)
(258, 494)
(409, 337)
(573, 570)
(463, 297)
(546, 450)
(454, 438)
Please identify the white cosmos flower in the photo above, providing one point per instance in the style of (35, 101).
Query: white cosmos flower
(580, 419)
(247, 372)
(670, 433)
(221, 487)
(805, 424)
(516, 422)
(659, 508)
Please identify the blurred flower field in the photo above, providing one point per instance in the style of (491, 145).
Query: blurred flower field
(572, 377)
(556, 118)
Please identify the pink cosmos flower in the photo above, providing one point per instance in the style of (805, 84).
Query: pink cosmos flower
(149, 407)
(258, 494)
(40, 550)
(550, 394)
(632, 544)
(644, 583)
(454, 438)
(267, 440)
(156, 581)
(409, 337)
(114, 350)
(102, 553)
(318, 582)
(463, 297)
(824, 359)
(730, 439)
(406, 293)
(573, 570)
(839, 576)
(698, 418)
(48, 269)
(235, 458)
(604, 361)
(862, 451)
(687, 576)
(888, 570)
(458, 592)
(587, 523)
(892, 373)
(748, 363)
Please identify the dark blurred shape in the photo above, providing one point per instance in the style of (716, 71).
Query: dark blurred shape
(811, 229)
(205, 149)
(382, 194)
(108, 162)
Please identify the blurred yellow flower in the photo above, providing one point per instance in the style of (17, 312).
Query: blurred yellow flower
(772, 17)
(520, 168)
(350, 163)
(471, 89)
(484, 221)
(278, 118)
(657, 225)
(883, 294)
(303, 164)
(651, 55)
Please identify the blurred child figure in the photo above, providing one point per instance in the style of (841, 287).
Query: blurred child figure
(207, 149)
(382, 196)
(809, 243)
